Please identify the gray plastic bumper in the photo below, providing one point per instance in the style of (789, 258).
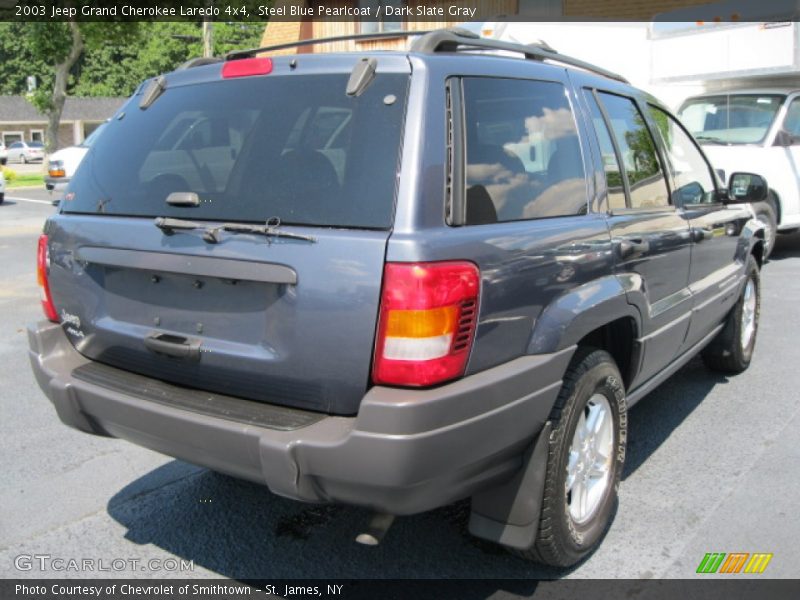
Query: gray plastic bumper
(405, 452)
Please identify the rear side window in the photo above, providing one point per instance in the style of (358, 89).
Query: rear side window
(648, 188)
(614, 179)
(293, 147)
(523, 158)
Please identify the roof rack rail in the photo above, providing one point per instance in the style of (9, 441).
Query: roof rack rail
(453, 40)
(199, 62)
(236, 54)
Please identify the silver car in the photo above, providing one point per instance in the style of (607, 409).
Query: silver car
(26, 152)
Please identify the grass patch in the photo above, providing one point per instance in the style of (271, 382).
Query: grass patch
(26, 180)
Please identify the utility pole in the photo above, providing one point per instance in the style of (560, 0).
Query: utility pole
(208, 38)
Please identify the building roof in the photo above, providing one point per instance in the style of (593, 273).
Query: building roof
(18, 109)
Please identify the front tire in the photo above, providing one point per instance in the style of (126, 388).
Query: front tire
(732, 349)
(767, 214)
(584, 464)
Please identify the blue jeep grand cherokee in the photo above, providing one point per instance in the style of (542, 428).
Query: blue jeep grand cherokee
(396, 280)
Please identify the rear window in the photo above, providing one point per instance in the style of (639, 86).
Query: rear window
(293, 147)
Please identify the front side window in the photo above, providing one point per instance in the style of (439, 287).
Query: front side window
(694, 183)
(731, 119)
(523, 154)
(791, 124)
(648, 188)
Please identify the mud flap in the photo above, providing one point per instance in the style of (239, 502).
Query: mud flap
(508, 514)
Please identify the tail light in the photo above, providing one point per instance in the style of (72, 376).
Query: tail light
(42, 271)
(56, 169)
(427, 321)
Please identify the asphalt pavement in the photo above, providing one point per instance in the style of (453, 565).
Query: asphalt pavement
(712, 466)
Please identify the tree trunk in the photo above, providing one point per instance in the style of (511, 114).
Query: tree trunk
(60, 88)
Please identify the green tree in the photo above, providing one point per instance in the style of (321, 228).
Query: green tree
(102, 58)
(61, 45)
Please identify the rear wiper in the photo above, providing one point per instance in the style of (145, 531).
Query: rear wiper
(708, 138)
(212, 234)
(269, 229)
(168, 225)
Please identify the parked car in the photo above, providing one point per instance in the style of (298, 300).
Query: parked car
(754, 129)
(62, 164)
(3, 155)
(26, 152)
(466, 307)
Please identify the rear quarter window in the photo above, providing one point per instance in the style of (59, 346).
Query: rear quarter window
(523, 157)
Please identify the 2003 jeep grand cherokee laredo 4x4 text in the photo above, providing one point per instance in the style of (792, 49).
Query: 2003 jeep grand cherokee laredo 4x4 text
(396, 280)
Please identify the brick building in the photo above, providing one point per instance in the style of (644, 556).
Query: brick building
(284, 30)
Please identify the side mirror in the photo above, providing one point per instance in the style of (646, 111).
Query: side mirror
(747, 187)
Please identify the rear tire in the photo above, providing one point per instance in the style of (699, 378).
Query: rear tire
(584, 464)
(2, 197)
(732, 349)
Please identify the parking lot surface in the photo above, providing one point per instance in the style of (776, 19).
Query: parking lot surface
(712, 466)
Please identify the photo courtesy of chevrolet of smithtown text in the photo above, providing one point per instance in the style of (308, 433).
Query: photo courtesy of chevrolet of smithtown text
(476, 299)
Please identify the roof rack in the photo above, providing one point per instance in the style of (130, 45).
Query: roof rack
(455, 39)
(440, 40)
(236, 54)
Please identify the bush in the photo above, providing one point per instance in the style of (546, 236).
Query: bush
(9, 174)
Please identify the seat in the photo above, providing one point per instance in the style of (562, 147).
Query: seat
(485, 154)
(480, 208)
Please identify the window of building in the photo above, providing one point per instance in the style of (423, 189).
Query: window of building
(380, 22)
(9, 137)
(37, 135)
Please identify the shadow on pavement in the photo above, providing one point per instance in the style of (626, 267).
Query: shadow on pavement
(242, 531)
(657, 415)
(786, 246)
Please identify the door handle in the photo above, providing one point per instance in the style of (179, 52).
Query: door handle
(175, 346)
(628, 247)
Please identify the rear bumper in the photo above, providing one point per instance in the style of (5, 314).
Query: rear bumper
(405, 452)
(56, 184)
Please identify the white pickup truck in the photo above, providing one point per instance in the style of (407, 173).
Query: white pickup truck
(756, 130)
(61, 165)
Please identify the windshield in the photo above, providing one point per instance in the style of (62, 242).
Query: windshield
(731, 119)
(294, 147)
